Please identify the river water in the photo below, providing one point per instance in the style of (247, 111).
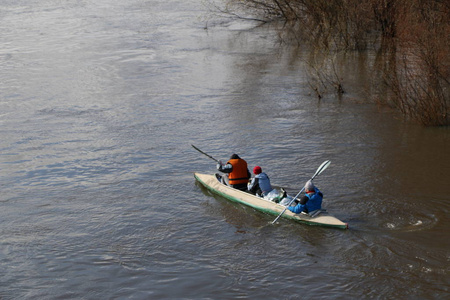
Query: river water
(100, 102)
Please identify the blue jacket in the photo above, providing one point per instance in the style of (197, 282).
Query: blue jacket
(262, 182)
(314, 202)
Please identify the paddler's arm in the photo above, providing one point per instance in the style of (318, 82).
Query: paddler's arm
(300, 206)
(228, 168)
(252, 186)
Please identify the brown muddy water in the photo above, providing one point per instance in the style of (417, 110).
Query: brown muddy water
(99, 104)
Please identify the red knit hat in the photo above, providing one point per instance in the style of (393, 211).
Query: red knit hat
(257, 170)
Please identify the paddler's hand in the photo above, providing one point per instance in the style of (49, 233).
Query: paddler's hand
(219, 165)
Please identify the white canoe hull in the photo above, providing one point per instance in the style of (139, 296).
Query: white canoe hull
(212, 184)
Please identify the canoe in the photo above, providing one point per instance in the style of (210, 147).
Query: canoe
(317, 218)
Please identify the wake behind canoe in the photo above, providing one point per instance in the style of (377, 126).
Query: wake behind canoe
(214, 185)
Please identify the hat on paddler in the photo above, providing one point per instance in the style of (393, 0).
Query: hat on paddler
(309, 186)
(257, 170)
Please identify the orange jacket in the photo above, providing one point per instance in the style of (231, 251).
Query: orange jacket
(239, 174)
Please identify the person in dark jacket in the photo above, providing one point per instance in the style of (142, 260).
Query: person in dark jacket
(237, 173)
(311, 201)
(260, 184)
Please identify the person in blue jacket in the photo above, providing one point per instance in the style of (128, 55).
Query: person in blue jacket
(311, 201)
(260, 184)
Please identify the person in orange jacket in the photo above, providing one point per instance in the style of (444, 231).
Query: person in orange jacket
(237, 173)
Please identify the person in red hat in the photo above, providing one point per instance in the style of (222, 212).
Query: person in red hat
(260, 184)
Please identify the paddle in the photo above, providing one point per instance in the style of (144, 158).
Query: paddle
(205, 154)
(322, 167)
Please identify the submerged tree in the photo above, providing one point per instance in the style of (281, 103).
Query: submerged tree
(412, 36)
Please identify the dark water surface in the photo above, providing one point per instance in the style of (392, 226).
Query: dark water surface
(99, 104)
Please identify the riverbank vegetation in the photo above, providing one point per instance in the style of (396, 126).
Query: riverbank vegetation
(411, 68)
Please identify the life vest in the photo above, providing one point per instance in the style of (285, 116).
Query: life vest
(239, 173)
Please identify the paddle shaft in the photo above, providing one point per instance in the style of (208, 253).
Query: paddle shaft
(205, 153)
(322, 167)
